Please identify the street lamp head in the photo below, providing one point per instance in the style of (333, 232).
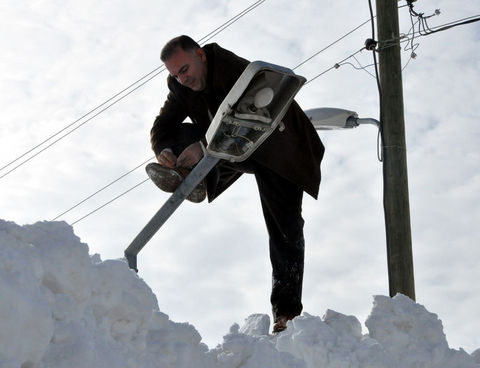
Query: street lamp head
(331, 118)
(252, 110)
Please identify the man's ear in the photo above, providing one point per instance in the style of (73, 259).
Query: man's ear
(201, 53)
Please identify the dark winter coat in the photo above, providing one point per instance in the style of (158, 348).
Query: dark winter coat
(294, 153)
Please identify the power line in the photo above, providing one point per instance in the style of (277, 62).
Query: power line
(137, 84)
(76, 121)
(359, 67)
(379, 89)
(401, 39)
(201, 41)
(412, 34)
(112, 200)
(228, 23)
(79, 126)
(103, 188)
(143, 181)
(460, 22)
(333, 43)
(335, 66)
(339, 39)
(205, 39)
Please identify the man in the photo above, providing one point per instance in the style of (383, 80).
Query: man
(285, 165)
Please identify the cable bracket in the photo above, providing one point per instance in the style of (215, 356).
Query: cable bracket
(370, 44)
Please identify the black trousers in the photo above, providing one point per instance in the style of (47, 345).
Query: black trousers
(282, 210)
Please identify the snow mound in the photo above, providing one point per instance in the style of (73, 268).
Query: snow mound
(60, 307)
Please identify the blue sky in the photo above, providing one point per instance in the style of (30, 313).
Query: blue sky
(209, 264)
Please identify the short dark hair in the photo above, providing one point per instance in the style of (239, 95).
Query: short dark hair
(186, 43)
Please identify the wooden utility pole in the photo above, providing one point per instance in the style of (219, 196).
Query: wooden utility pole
(395, 180)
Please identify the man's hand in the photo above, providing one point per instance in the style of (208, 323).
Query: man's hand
(191, 155)
(167, 158)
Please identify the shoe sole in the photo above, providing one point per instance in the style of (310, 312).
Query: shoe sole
(168, 180)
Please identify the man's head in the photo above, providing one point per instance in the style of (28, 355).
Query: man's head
(186, 61)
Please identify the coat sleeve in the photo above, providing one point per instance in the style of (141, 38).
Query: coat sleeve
(167, 125)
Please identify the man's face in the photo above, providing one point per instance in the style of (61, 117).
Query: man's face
(189, 68)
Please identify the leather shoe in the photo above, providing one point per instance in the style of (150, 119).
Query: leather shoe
(168, 180)
(281, 323)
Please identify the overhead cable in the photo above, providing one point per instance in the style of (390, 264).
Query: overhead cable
(110, 201)
(335, 66)
(206, 38)
(103, 188)
(143, 181)
(331, 44)
(117, 97)
(229, 22)
(338, 40)
(377, 78)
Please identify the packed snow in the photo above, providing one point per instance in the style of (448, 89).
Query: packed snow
(61, 307)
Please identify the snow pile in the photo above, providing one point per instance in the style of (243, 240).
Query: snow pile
(59, 307)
